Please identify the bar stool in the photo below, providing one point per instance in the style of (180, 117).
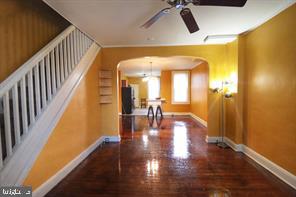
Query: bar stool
(150, 109)
(158, 110)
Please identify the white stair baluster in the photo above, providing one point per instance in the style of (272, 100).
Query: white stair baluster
(53, 72)
(79, 45)
(48, 78)
(43, 84)
(72, 50)
(7, 126)
(16, 116)
(57, 55)
(76, 46)
(31, 98)
(24, 105)
(65, 57)
(69, 54)
(83, 43)
(37, 89)
(62, 63)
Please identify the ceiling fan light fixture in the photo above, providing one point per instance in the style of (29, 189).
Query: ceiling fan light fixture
(220, 39)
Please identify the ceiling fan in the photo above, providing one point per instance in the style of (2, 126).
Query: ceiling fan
(186, 13)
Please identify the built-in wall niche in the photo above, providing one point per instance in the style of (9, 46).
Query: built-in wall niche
(105, 85)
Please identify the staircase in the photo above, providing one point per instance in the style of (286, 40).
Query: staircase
(33, 98)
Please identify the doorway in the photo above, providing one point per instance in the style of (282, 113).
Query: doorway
(136, 98)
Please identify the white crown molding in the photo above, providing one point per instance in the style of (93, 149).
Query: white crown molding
(19, 165)
(264, 20)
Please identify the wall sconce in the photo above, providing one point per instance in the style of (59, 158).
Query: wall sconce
(224, 87)
(227, 89)
(216, 86)
(228, 95)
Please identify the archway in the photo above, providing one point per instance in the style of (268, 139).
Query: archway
(198, 82)
(214, 55)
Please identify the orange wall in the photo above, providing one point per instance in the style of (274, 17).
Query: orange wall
(215, 55)
(25, 27)
(270, 91)
(199, 91)
(77, 130)
(143, 86)
(233, 112)
(166, 92)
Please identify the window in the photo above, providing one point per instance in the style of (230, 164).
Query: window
(153, 88)
(180, 87)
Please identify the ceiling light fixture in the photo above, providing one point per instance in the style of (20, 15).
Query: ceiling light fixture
(151, 77)
(219, 39)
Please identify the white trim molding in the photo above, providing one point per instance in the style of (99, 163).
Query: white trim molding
(233, 145)
(173, 73)
(18, 166)
(272, 167)
(212, 140)
(112, 138)
(176, 113)
(62, 173)
(275, 169)
(201, 121)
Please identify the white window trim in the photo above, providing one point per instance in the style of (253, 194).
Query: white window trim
(172, 88)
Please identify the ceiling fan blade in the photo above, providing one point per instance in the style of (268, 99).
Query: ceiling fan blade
(231, 3)
(152, 20)
(189, 20)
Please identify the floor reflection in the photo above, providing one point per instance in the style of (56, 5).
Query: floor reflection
(145, 140)
(152, 167)
(133, 126)
(154, 122)
(170, 160)
(180, 141)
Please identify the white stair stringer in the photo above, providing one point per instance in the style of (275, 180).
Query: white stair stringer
(16, 168)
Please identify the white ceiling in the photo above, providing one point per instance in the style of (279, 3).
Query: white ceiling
(116, 22)
(139, 66)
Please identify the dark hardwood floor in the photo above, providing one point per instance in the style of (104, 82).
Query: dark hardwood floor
(168, 157)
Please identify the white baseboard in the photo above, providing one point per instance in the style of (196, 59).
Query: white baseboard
(61, 174)
(112, 138)
(233, 145)
(212, 140)
(275, 169)
(201, 121)
(176, 113)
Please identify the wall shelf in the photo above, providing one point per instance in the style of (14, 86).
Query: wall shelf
(105, 86)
